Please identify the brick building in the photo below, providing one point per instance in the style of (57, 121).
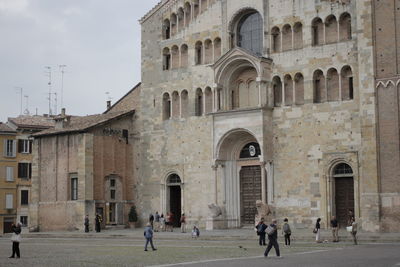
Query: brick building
(83, 166)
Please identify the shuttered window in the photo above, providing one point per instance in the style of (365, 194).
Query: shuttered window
(9, 201)
(24, 146)
(9, 174)
(24, 170)
(9, 148)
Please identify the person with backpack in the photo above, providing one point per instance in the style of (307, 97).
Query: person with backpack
(272, 232)
(286, 231)
(261, 232)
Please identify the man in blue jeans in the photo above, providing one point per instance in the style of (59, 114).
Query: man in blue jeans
(272, 232)
(148, 234)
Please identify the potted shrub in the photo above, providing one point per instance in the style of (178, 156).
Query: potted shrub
(133, 217)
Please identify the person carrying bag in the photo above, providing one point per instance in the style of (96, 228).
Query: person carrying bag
(16, 239)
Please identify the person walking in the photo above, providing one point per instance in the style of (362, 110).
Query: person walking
(156, 222)
(195, 232)
(151, 220)
(16, 238)
(183, 223)
(272, 231)
(86, 223)
(167, 218)
(261, 232)
(98, 223)
(162, 222)
(317, 230)
(286, 231)
(354, 230)
(148, 234)
(171, 221)
(335, 229)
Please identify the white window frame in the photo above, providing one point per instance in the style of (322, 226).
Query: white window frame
(9, 174)
(10, 148)
(74, 188)
(26, 146)
(9, 201)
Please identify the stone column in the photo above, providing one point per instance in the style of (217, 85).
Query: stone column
(263, 183)
(215, 169)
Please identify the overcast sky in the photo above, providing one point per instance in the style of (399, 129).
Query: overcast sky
(98, 41)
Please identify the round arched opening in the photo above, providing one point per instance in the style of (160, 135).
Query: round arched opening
(344, 193)
(174, 196)
(249, 32)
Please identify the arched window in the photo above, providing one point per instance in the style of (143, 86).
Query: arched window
(297, 35)
(166, 59)
(347, 83)
(217, 48)
(299, 88)
(184, 104)
(277, 88)
(174, 179)
(208, 51)
(174, 23)
(345, 27)
(251, 150)
(208, 100)
(331, 30)
(166, 107)
(319, 87)
(286, 37)
(342, 169)
(196, 8)
(288, 90)
(203, 5)
(199, 102)
(198, 53)
(332, 84)
(188, 13)
(175, 57)
(184, 56)
(317, 32)
(181, 19)
(276, 40)
(166, 29)
(175, 105)
(250, 33)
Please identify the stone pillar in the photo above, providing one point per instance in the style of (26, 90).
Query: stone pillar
(263, 183)
(215, 169)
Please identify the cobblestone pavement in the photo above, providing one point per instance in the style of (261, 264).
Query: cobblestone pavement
(129, 252)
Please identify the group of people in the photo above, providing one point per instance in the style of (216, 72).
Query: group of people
(161, 223)
(271, 230)
(98, 219)
(351, 228)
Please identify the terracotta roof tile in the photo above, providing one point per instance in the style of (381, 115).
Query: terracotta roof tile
(35, 121)
(5, 128)
(78, 124)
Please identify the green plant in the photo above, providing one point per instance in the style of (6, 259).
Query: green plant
(133, 217)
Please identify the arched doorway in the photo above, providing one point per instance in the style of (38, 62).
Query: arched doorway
(174, 198)
(250, 183)
(344, 192)
(243, 176)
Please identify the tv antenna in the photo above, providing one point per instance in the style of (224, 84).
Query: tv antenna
(48, 74)
(20, 92)
(62, 67)
(26, 111)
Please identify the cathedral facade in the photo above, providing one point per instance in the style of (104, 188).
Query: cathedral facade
(261, 100)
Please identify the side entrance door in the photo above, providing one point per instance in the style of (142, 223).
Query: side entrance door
(250, 192)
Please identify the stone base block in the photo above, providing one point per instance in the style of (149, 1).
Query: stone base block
(216, 223)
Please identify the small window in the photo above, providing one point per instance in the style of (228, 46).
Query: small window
(251, 150)
(9, 174)
(112, 194)
(112, 182)
(24, 170)
(24, 220)
(74, 188)
(9, 148)
(24, 146)
(24, 197)
(9, 201)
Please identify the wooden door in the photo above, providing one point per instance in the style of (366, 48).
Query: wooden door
(250, 192)
(344, 199)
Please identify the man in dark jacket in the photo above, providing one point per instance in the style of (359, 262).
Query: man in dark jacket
(261, 232)
(148, 234)
(272, 231)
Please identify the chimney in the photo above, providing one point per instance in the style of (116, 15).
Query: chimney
(63, 112)
(108, 104)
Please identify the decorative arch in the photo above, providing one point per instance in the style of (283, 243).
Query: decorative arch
(297, 35)
(174, 23)
(174, 57)
(277, 89)
(184, 56)
(208, 99)
(184, 104)
(198, 53)
(217, 48)
(286, 37)
(208, 51)
(199, 102)
(276, 39)
(346, 75)
(332, 85)
(175, 105)
(331, 29)
(299, 88)
(319, 86)
(166, 106)
(345, 27)
(317, 27)
(166, 29)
